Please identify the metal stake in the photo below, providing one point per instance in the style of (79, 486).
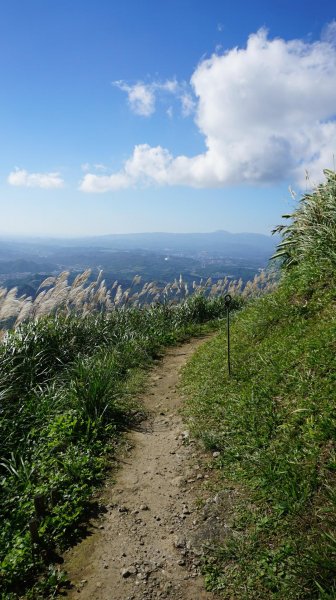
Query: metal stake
(227, 300)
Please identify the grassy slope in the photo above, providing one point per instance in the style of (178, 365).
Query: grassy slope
(274, 423)
(66, 391)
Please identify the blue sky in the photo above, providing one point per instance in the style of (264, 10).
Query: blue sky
(179, 115)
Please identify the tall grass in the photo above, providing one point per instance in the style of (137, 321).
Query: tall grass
(311, 235)
(82, 297)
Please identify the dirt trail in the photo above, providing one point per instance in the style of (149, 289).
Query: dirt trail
(148, 543)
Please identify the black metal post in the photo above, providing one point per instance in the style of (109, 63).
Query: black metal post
(227, 300)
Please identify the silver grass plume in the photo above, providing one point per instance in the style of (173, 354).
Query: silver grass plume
(11, 305)
(136, 280)
(26, 311)
(118, 295)
(81, 278)
(47, 282)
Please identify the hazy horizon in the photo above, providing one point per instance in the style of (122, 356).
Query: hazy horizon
(128, 233)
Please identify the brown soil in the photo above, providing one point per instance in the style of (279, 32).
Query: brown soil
(148, 544)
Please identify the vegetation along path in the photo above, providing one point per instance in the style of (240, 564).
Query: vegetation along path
(149, 542)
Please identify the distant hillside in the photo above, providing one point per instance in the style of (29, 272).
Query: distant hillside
(160, 257)
(236, 245)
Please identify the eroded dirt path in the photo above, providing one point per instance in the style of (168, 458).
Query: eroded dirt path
(148, 544)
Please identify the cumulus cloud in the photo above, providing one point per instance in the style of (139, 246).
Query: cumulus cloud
(266, 112)
(21, 178)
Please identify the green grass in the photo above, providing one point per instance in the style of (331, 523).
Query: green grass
(67, 389)
(274, 424)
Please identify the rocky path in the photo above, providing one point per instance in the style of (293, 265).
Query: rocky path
(149, 542)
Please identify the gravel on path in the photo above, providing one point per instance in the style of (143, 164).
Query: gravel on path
(148, 545)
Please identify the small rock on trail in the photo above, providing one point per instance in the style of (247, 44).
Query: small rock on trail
(144, 550)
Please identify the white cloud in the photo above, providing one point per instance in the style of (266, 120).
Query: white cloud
(86, 167)
(21, 178)
(141, 97)
(96, 184)
(264, 110)
(170, 85)
(146, 165)
(267, 113)
(100, 167)
(188, 104)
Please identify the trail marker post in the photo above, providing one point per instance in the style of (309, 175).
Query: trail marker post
(228, 300)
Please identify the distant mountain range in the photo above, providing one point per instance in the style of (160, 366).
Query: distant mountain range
(218, 243)
(158, 257)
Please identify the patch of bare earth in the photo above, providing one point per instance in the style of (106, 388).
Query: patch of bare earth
(149, 543)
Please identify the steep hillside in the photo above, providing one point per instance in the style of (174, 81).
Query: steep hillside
(272, 424)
